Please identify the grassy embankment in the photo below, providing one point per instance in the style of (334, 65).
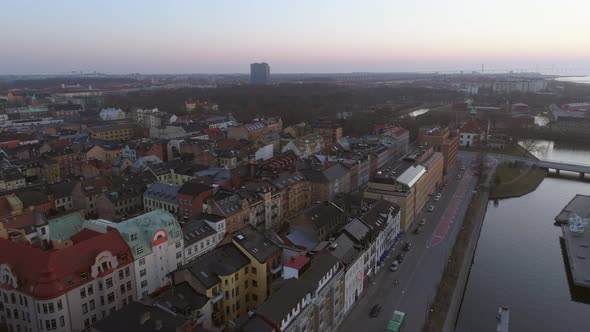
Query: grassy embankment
(515, 181)
(511, 150)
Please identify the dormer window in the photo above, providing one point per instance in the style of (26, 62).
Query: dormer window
(134, 237)
(83, 276)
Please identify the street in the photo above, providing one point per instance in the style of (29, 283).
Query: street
(422, 266)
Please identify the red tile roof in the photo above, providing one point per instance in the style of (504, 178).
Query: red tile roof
(45, 273)
(297, 262)
(471, 126)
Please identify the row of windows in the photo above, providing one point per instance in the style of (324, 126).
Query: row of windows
(22, 300)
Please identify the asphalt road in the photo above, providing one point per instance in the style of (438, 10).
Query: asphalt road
(422, 267)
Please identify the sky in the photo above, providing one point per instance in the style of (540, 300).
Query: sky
(315, 36)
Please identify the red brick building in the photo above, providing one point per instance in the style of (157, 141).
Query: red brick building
(442, 139)
(191, 197)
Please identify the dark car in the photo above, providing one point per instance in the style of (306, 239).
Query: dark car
(375, 310)
(400, 257)
(417, 230)
(407, 246)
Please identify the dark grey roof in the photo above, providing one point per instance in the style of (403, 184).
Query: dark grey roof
(323, 213)
(195, 231)
(286, 180)
(344, 249)
(129, 318)
(224, 260)
(319, 267)
(63, 189)
(377, 214)
(253, 323)
(32, 198)
(228, 203)
(281, 303)
(180, 298)
(11, 174)
(357, 230)
(256, 243)
(163, 192)
(193, 188)
(335, 172)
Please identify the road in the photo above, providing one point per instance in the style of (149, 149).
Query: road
(422, 267)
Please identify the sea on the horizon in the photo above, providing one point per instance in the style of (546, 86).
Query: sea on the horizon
(575, 79)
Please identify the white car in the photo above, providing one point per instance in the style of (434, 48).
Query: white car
(430, 208)
(422, 222)
(394, 266)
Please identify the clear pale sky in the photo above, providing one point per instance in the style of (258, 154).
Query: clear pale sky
(223, 36)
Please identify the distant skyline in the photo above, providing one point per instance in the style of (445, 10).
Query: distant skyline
(223, 36)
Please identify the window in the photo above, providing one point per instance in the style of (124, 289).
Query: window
(246, 284)
(100, 285)
(82, 293)
(254, 283)
(237, 276)
(92, 305)
(178, 265)
(189, 251)
(133, 236)
(53, 324)
(101, 300)
(128, 285)
(90, 290)
(122, 289)
(178, 255)
(253, 270)
(238, 305)
(86, 323)
(121, 274)
(237, 290)
(177, 244)
(111, 297)
(227, 309)
(83, 276)
(51, 308)
(59, 305)
(109, 282)
(142, 261)
(142, 273)
(247, 297)
(84, 308)
(13, 298)
(254, 297)
(144, 284)
(93, 318)
(246, 269)
(139, 250)
(62, 321)
(127, 273)
(226, 282)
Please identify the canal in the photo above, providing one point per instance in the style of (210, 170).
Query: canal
(519, 261)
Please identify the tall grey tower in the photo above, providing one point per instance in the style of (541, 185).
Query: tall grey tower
(260, 73)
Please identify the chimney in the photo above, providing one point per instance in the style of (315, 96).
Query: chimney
(144, 318)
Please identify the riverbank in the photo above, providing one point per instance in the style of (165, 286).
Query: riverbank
(512, 180)
(514, 150)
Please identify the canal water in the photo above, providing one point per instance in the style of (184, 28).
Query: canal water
(520, 261)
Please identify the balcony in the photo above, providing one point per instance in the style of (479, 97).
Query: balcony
(276, 269)
(217, 298)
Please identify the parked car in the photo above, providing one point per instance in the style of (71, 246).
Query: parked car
(462, 168)
(437, 198)
(394, 266)
(375, 310)
(458, 176)
(399, 258)
(422, 222)
(430, 208)
(407, 246)
(417, 230)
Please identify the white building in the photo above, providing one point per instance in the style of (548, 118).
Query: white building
(383, 218)
(155, 239)
(344, 248)
(202, 234)
(109, 114)
(81, 280)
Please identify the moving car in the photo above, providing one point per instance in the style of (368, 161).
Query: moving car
(430, 208)
(375, 310)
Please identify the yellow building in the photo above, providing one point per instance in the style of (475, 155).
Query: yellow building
(116, 132)
(228, 278)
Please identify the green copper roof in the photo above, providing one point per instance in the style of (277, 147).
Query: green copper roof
(62, 228)
(139, 231)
